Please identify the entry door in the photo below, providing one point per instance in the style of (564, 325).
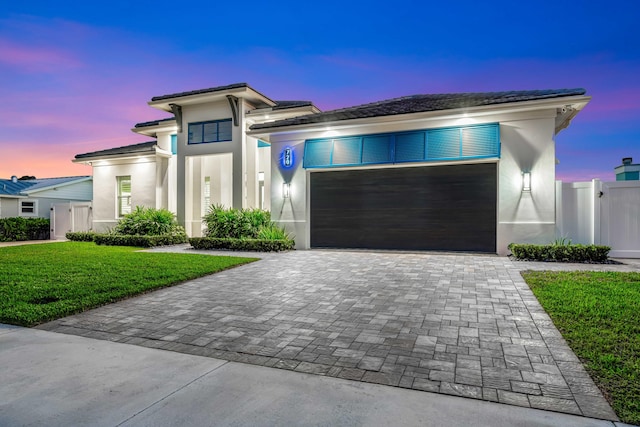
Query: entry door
(449, 208)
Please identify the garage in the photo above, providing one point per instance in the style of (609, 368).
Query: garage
(445, 208)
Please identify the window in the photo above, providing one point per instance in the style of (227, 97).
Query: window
(28, 208)
(212, 131)
(206, 195)
(124, 195)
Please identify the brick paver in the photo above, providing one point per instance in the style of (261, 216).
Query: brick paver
(463, 325)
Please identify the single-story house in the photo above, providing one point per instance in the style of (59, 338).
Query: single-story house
(453, 172)
(36, 197)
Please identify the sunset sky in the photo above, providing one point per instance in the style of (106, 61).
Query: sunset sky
(76, 76)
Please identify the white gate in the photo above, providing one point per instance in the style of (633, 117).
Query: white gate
(602, 213)
(620, 218)
(70, 217)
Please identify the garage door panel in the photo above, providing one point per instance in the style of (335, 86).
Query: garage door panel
(425, 208)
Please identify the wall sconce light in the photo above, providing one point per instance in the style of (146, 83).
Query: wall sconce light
(286, 190)
(526, 181)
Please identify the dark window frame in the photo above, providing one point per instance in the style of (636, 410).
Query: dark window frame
(199, 127)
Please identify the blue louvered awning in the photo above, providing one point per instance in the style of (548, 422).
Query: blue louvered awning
(445, 144)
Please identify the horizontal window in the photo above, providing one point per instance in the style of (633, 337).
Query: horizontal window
(211, 131)
(455, 143)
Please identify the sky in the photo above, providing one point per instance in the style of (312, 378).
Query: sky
(76, 76)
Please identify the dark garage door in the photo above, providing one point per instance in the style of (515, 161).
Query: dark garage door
(450, 208)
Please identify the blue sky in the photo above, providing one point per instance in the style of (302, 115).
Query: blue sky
(76, 76)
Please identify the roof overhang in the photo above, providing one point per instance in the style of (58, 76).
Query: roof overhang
(245, 92)
(168, 126)
(154, 151)
(268, 114)
(566, 109)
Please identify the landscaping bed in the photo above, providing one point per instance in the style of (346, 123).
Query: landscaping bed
(561, 252)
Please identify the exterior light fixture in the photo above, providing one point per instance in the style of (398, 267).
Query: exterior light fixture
(526, 181)
(286, 190)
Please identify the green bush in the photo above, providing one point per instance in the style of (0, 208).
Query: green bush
(140, 241)
(257, 245)
(560, 252)
(81, 236)
(235, 223)
(20, 229)
(147, 222)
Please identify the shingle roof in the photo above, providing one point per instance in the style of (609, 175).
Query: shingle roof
(143, 147)
(203, 91)
(282, 105)
(421, 103)
(153, 122)
(22, 188)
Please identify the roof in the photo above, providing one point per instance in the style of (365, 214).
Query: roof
(25, 187)
(203, 91)
(143, 147)
(282, 105)
(422, 103)
(153, 122)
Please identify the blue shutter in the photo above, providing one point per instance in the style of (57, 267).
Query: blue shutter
(376, 149)
(317, 153)
(480, 141)
(347, 151)
(443, 144)
(410, 147)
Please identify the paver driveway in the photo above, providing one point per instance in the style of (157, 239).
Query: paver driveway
(456, 324)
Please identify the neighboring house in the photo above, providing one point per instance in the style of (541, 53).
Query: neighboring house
(628, 171)
(36, 197)
(457, 172)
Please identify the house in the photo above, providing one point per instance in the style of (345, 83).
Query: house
(36, 197)
(454, 172)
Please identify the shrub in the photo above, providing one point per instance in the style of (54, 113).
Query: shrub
(81, 236)
(140, 241)
(235, 223)
(257, 245)
(147, 222)
(18, 229)
(560, 252)
(273, 232)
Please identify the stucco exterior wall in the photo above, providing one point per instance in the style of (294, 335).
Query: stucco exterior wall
(199, 113)
(143, 188)
(8, 207)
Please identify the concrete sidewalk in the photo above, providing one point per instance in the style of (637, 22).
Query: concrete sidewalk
(51, 379)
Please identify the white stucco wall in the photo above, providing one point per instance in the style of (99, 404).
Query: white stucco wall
(143, 188)
(527, 143)
(199, 113)
(8, 207)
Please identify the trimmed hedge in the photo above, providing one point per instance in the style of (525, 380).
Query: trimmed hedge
(20, 229)
(140, 241)
(81, 236)
(255, 245)
(560, 253)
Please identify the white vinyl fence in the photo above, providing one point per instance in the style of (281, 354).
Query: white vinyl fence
(602, 213)
(68, 217)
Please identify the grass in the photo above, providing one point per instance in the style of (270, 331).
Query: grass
(598, 313)
(39, 283)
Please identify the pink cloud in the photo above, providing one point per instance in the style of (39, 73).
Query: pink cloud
(34, 59)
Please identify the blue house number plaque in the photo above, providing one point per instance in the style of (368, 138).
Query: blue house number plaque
(287, 157)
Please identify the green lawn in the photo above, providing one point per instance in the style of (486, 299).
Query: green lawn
(39, 283)
(598, 313)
